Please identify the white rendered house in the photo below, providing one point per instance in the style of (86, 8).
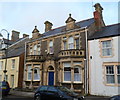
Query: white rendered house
(104, 61)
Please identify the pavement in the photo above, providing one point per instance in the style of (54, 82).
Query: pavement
(31, 95)
(22, 93)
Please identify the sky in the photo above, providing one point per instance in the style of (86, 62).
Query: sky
(24, 16)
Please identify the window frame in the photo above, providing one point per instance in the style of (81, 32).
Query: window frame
(13, 64)
(101, 47)
(115, 64)
(29, 71)
(80, 73)
(66, 71)
(51, 47)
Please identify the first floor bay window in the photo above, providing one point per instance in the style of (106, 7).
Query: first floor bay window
(77, 74)
(29, 72)
(67, 71)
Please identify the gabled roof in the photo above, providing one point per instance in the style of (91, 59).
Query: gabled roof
(17, 48)
(59, 30)
(107, 31)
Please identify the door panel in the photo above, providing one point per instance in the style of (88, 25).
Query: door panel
(51, 78)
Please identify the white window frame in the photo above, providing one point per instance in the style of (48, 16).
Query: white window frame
(65, 65)
(110, 72)
(37, 67)
(106, 49)
(79, 73)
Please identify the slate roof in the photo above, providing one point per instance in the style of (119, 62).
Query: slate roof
(16, 52)
(107, 31)
(59, 30)
(17, 48)
(9, 42)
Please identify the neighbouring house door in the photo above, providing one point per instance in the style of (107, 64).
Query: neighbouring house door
(51, 78)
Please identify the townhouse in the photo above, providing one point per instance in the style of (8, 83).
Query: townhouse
(57, 57)
(12, 63)
(104, 61)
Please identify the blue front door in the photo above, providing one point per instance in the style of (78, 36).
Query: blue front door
(51, 78)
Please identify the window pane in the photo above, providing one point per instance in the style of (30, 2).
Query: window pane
(29, 72)
(110, 69)
(118, 69)
(67, 76)
(77, 43)
(52, 89)
(77, 74)
(36, 74)
(118, 79)
(43, 88)
(110, 79)
(65, 45)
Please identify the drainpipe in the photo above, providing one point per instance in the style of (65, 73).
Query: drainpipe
(86, 63)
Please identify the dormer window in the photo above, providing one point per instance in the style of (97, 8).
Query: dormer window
(70, 23)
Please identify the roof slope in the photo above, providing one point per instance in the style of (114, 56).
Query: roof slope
(59, 30)
(108, 31)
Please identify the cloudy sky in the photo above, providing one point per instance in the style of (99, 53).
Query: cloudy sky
(23, 16)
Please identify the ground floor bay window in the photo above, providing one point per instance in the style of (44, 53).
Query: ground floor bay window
(72, 73)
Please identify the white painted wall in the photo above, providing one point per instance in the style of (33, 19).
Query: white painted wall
(96, 82)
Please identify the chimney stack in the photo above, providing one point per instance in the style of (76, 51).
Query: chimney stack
(25, 35)
(48, 26)
(98, 16)
(15, 35)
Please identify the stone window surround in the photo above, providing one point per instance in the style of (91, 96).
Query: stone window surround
(100, 46)
(115, 72)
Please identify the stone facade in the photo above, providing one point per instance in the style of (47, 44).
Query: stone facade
(57, 57)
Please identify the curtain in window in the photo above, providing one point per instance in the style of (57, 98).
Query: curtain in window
(36, 74)
(77, 74)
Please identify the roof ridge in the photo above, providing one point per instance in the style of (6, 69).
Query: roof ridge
(75, 23)
(112, 25)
